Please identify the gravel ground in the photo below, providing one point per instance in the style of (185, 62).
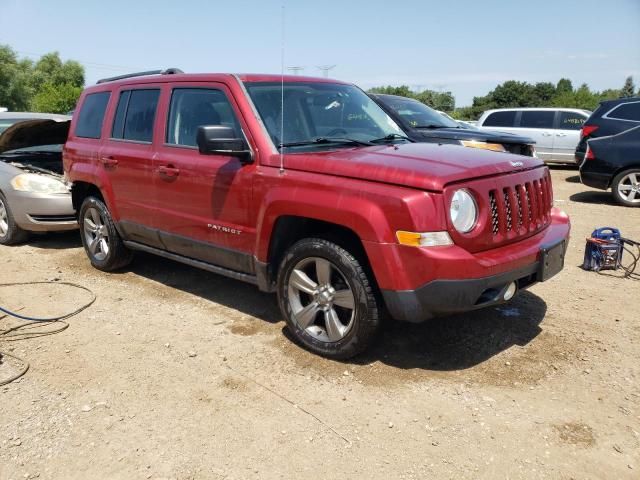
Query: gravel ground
(178, 373)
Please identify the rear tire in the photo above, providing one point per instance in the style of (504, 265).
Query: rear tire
(10, 233)
(101, 240)
(327, 299)
(625, 188)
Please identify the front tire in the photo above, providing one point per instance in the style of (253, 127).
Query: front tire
(100, 239)
(327, 299)
(10, 233)
(626, 188)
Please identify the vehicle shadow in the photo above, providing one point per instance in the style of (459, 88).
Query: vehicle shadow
(55, 240)
(573, 179)
(594, 197)
(450, 343)
(231, 293)
(461, 341)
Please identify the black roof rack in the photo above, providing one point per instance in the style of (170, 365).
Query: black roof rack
(168, 71)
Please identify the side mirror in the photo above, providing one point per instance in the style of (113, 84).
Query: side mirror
(222, 140)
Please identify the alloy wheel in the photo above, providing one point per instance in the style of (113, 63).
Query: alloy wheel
(96, 234)
(4, 219)
(321, 300)
(629, 188)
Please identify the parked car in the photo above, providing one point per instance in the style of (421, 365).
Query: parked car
(306, 187)
(614, 162)
(9, 118)
(424, 124)
(556, 131)
(611, 117)
(33, 194)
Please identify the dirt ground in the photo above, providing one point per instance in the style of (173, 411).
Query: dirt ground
(179, 373)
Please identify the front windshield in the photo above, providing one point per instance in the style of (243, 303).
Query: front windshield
(7, 122)
(416, 114)
(323, 111)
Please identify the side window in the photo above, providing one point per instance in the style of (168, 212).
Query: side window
(194, 107)
(500, 119)
(626, 111)
(571, 121)
(91, 115)
(537, 119)
(135, 114)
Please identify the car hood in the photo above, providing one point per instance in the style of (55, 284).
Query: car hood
(471, 134)
(426, 166)
(31, 133)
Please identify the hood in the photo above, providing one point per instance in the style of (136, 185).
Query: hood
(472, 134)
(31, 133)
(426, 166)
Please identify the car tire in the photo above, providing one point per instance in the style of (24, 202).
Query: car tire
(101, 240)
(624, 184)
(10, 232)
(327, 299)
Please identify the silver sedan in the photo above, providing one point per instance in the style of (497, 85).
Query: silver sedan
(33, 194)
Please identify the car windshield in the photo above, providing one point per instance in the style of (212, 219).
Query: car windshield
(416, 114)
(321, 115)
(56, 148)
(7, 122)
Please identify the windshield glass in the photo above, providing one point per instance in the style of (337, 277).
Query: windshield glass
(7, 122)
(315, 111)
(416, 114)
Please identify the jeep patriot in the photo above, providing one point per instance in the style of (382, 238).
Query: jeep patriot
(307, 188)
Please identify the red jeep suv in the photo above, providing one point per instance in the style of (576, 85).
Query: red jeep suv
(306, 187)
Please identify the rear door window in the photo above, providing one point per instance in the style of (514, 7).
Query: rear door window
(570, 121)
(501, 119)
(537, 119)
(91, 115)
(626, 111)
(195, 107)
(135, 115)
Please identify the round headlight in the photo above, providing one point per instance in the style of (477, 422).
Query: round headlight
(463, 211)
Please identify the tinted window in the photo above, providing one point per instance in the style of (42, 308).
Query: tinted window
(571, 121)
(500, 119)
(91, 115)
(118, 123)
(194, 107)
(135, 114)
(626, 111)
(537, 119)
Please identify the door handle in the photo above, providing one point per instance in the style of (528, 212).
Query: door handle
(109, 161)
(546, 134)
(561, 134)
(168, 171)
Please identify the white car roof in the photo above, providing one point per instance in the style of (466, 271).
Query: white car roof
(549, 109)
(34, 115)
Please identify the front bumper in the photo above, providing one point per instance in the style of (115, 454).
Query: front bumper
(42, 213)
(475, 280)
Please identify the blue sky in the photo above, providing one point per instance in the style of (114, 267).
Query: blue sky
(466, 47)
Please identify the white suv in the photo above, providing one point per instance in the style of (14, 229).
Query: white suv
(555, 130)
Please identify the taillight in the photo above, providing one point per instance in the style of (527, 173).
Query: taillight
(589, 155)
(587, 130)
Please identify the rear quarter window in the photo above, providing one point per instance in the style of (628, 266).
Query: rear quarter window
(500, 119)
(571, 121)
(626, 111)
(91, 115)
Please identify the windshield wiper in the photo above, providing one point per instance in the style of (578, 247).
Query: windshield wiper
(326, 140)
(390, 137)
(432, 126)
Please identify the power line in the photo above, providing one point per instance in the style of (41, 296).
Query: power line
(325, 69)
(296, 69)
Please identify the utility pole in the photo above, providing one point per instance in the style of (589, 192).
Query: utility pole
(325, 69)
(296, 69)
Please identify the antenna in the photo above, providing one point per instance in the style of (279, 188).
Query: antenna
(325, 69)
(295, 69)
(282, 98)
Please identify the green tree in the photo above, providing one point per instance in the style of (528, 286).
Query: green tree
(439, 100)
(629, 88)
(563, 86)
(15, 90)
(53, 98)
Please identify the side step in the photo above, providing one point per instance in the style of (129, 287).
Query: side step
(245, 277)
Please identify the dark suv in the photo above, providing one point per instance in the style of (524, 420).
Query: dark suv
(306, 187)
(610, 118)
